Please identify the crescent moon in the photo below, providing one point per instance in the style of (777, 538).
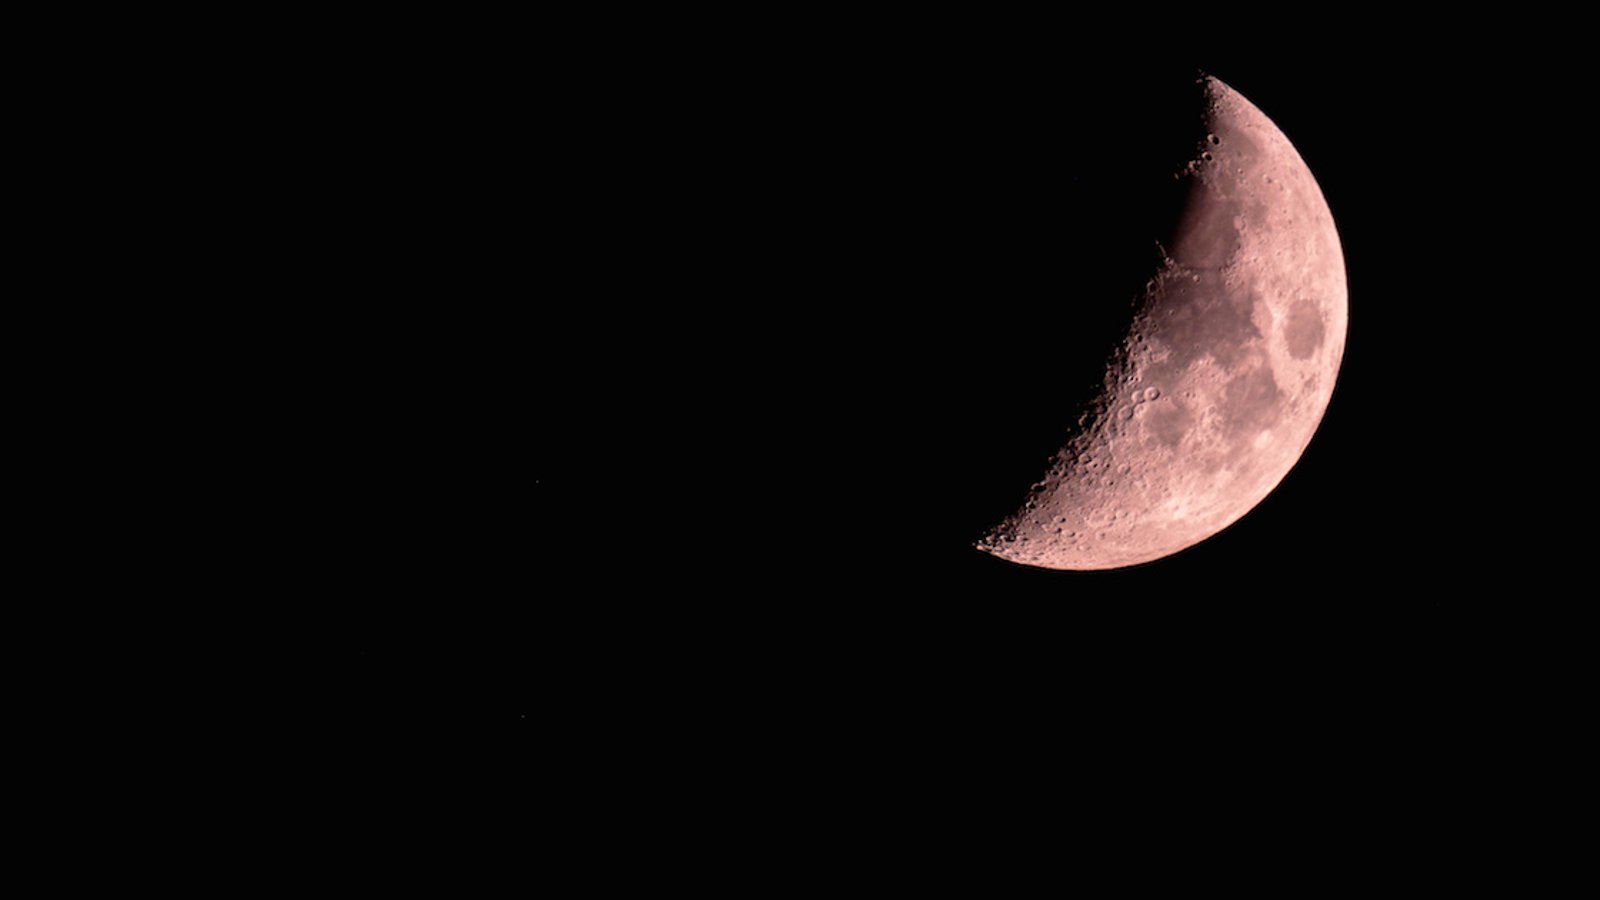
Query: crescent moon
(1224, 376)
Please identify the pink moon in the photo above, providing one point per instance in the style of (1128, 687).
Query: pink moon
(1224, 375)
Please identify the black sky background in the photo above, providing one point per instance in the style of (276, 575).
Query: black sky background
(747, 340)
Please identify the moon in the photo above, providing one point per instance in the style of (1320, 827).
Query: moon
(1223, 377)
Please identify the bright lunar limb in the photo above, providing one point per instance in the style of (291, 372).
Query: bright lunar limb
(1224, 376)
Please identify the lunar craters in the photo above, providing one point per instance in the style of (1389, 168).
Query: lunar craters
(1225, 373)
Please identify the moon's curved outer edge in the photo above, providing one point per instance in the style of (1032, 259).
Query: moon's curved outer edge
(1225, 375)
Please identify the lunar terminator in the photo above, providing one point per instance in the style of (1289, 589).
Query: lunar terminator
(1225, 374)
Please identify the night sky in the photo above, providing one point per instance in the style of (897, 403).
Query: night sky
(714, 359)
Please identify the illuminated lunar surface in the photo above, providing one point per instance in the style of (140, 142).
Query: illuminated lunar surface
(1224, 375)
